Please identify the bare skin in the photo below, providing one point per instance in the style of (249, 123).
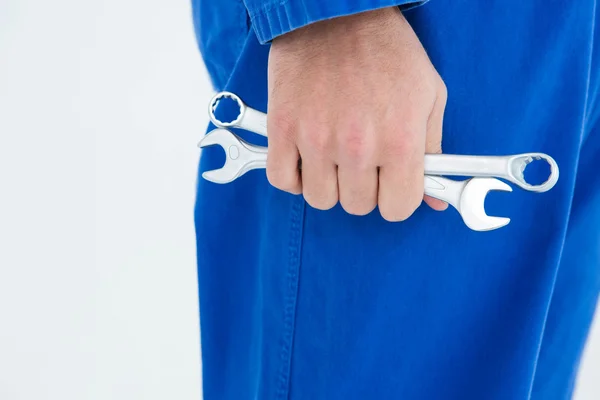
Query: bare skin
(358, 100)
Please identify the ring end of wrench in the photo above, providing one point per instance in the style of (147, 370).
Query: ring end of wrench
(519, 163)
(214, 102)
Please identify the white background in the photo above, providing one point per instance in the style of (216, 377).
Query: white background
(101, 105)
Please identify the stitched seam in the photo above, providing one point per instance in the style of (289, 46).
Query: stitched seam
(267, 8)
(289, 319)
(564, 233)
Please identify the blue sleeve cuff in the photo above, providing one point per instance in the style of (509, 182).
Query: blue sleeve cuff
(277, 17)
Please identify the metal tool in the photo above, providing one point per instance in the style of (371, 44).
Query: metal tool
(240, 156)
(510, 168)
(248, 118)
(468, 196)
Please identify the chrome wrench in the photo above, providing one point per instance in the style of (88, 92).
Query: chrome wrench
(467, 197)
(248, 118)
(510, 167)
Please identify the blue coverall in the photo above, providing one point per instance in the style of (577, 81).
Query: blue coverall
(302, 304)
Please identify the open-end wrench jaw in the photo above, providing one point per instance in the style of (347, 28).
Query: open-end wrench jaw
(240, 156)
(468, 198)
(472, 204)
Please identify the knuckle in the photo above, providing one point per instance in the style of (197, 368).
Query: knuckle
(316, 141)
(356, 147)
(426, 84)
(320, 201)
(433, 145)
(415, 198)
(281, 179)
(281, 124)
(358, 207)
(400, 144)
(391, 214)
(434, 148)
(409, 131)
(398, 213)
(401, 209)
(442, 91)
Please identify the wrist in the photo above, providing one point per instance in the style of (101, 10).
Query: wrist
(367, 22)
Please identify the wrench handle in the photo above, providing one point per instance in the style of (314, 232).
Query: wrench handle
(253, 120)
(505, 167)
(464, 165)
(444, 189)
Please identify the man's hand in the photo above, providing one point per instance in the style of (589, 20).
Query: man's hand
(359, 101)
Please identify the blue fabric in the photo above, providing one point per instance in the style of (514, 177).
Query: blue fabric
(300, 304)
(272, 18)
(221, 26)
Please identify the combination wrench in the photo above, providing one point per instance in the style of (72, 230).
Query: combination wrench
(467, 197)
(510, 167)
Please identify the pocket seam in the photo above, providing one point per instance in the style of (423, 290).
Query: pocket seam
(292, 279)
